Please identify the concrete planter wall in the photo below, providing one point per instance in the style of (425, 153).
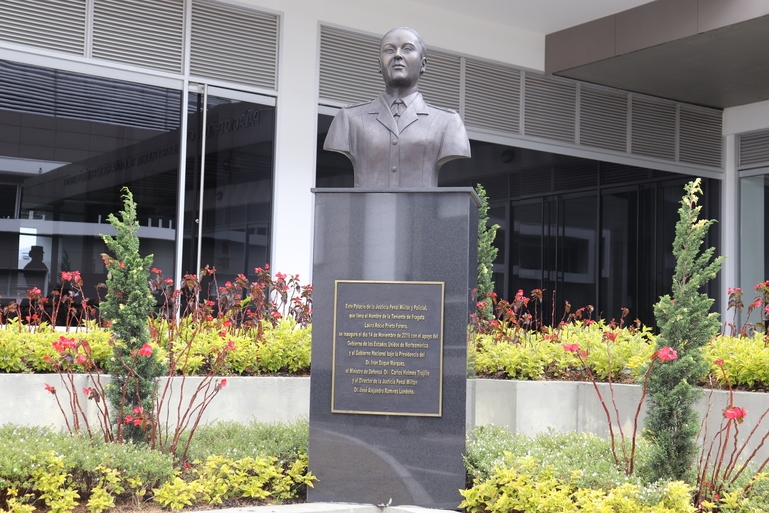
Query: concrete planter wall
(528, 407)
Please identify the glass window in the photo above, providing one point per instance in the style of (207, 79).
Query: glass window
(68, 144)
(234, 236)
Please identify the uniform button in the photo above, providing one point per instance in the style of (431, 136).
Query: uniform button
(395, 141)
(394, 169)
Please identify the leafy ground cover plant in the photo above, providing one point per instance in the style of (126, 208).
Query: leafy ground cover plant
(540, 355)
(41, 469)
(560, 472)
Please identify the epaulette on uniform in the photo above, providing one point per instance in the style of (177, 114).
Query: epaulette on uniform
(350, 106)
(444, 109)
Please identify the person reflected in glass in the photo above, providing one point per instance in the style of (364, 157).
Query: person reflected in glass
(36, 272)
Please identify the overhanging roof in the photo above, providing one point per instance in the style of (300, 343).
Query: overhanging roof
(706, 52)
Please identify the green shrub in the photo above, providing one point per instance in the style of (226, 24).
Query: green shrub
(22, 350)
(524, 484)
(686, 325)
(127, 304)
(745, 360)
(218, 479)
(283, 348)
(44, 469)
(487, 252)
(582, 458)
(255, 439)
(540, 354)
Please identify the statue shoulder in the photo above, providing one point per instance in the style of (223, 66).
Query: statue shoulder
(356, 105)
(442, 109)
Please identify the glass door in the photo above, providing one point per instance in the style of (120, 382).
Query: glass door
(554, 247)
(229, 182)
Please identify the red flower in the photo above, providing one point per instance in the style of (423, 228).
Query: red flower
(168, 281)
(138, 410)
(49, 388)
(719, 362)
(146, 350)
(276, 315)
(88, 391)
(570, 348)
(156, 270)
(122, 265)
(666, 354)
(266, 266)
(210, 303)
(66, 276)
(280, 276)
(63, 344)
(610, 336)
(223, 383)
(128, 419)
(736, 413)
(81, 359)
(47, 359)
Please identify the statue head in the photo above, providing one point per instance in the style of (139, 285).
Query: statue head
(402, 60)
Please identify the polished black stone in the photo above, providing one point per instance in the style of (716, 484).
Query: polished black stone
(412, 235)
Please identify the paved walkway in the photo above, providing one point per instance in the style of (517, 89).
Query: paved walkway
(330, 507)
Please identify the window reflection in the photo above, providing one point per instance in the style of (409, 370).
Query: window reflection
(237, 186)
(68, 144)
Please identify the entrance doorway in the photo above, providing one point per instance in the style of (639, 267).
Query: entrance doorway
(229, 182)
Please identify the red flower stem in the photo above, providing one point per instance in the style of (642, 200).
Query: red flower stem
(755, 451)
(637, 414)
(616, 412)
(605, 409)
(61, 409)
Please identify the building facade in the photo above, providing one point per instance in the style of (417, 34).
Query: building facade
(213, 114)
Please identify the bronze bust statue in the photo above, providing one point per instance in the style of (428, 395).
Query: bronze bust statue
(397, 139)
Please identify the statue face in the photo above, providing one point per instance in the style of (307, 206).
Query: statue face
(401, 61)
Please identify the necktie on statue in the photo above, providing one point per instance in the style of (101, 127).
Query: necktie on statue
(398, 108)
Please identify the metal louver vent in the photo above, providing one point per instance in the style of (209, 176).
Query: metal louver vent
(699, 136)
(754, 149)
(496, 187)
(549, 108)
(56, 93)
(612, 173)
(492, 97)
(575, 175)
(53, 24)
(146, 33)
(653, 128)
(603, 119)
(348, 66)
(234, 44)
(536, 181)
(349, 71)
(440, 83)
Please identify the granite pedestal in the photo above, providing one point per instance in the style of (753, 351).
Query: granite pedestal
(413, 251)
